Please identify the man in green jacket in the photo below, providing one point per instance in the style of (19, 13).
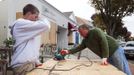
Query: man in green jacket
(103, 45)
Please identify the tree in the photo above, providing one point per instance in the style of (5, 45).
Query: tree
(119, 30)
(128, 36)
(111, 13)
(98, 22)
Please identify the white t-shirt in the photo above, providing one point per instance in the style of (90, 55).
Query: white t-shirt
(27, 36)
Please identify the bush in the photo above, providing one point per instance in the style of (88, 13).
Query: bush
(9, 42)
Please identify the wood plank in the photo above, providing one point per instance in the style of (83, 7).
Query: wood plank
(53, 33)
(75, 67)
(39, 72)
(19, 15)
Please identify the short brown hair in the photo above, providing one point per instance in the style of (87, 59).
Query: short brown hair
(30, 8)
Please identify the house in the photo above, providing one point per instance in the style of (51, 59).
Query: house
(73, 33)
(74, 37)
(12, 10)
(81, 21)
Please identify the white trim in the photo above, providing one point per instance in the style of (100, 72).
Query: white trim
(43, 1)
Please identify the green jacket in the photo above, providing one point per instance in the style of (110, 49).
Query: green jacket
(97, 41)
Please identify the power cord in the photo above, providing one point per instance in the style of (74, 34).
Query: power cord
(53, 68)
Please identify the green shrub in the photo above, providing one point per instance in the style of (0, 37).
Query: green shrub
(9, 42)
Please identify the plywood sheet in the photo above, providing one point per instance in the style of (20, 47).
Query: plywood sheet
(53, 33)
(75, 67)
(19, 15)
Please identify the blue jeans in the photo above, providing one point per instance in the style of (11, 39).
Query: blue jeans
(119, 60)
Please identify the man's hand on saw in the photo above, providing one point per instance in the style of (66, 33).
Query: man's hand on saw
(64, 52)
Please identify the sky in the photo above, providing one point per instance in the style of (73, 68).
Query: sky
(83, 9)
(129, 23)
(80, 8)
